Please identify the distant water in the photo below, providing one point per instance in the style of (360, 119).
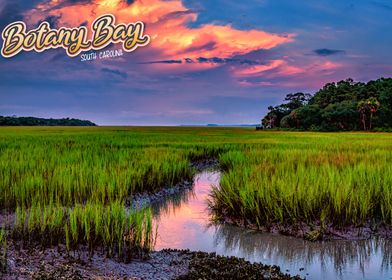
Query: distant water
(184, 223)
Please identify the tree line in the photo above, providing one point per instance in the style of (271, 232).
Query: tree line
(345, 105)
(31, 121)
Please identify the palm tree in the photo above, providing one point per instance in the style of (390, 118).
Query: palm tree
(367, 108)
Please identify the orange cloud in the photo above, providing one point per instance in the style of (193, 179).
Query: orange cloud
(167, 24)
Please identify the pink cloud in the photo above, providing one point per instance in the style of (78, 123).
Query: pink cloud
(256, 70)
(312, 74)
(276, 68)
(168, 26)
(172, 38)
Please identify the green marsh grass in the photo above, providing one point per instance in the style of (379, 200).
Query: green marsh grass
(343, 179)
(72, 183)
(118, 231)
(3, 251)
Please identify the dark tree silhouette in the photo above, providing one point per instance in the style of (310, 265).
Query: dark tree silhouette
(31, 121)
(345, 105)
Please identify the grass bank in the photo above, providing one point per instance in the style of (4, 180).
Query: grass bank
(313, 180)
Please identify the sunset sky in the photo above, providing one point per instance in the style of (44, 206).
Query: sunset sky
(209, 61)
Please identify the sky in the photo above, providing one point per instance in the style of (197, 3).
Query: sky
(215, 61)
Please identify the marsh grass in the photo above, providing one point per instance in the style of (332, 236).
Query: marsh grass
(3, 251)
(93, 172)
(69, 185)
(327, 181)
(114, 229)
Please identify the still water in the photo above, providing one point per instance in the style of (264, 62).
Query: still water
(183, 222)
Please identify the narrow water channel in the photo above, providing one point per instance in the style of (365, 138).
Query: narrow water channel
(184, 223)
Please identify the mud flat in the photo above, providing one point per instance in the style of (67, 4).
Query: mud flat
(35, 263)
(54, 263)
(316, 231)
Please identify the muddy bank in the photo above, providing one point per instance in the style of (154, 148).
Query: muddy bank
(205, 164)
(147, 198)
(139, 201)
(54, 263)
(204, 266)
(316, 231)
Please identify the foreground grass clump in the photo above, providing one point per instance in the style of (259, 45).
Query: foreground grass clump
(3, 251)
(111, 228)
(331, 179)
